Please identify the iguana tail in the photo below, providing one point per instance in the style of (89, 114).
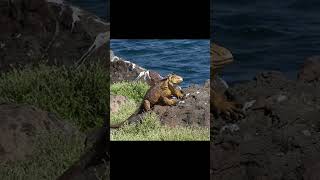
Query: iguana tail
(120, 124)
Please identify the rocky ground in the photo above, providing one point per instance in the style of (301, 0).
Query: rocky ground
(19, 124)
(279, 137)
(116, 101)
(123, 70)
(50, 30)
(194, 109)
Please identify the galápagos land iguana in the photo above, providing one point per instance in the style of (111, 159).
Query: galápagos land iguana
(160, 93)
(221, 56)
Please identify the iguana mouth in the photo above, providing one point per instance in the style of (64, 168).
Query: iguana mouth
(180, 79)
(174, 79)
(219, 64)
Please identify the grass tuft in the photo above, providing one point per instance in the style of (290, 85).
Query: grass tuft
(72, 94)
(132, 90)
(152, 130)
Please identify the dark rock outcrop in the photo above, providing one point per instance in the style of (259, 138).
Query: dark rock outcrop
(280, 136)
(19, 124)
(50, 30)
(116, 101)
(310, 71)
(123, 70)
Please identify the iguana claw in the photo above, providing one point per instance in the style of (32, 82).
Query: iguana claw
(226, 109)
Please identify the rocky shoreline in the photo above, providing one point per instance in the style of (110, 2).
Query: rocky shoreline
(193, 110)
(279, 137)
(52, 31)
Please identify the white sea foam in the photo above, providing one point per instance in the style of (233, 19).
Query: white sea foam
(101, 39)
(76, 13)
(56, 1)
(100, 21)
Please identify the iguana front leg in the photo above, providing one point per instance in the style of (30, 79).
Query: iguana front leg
(221, 106)
(168, 101)
(146, 105)
(178, 93)
(175, 91)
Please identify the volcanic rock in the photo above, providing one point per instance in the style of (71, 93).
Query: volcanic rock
(51, 31)
(279, 138)
(19, 124)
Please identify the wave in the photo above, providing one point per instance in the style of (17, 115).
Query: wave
(189, 58)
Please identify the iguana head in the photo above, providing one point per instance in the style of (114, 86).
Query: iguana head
(174, 79)
(219, 56)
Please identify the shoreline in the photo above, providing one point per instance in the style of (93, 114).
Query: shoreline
(125, 70)
(193, 111)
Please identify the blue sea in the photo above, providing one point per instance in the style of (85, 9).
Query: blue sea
(266, 35)
(188, 58)
(97, 7)
(263, 35)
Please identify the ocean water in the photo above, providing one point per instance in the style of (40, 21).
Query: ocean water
(188, 58)
(97, 7)
(266, 35)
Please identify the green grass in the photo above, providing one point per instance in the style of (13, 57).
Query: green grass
(78, 96)
(52, 155)
(150, 129)
(72, 94)
(132, 90)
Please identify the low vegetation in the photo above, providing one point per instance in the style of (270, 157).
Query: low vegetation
(150, 129)
(54, 153)
(74, 94)
(79, 96)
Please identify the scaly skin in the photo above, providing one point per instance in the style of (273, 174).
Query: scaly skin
(161, 93)
(221, 56)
